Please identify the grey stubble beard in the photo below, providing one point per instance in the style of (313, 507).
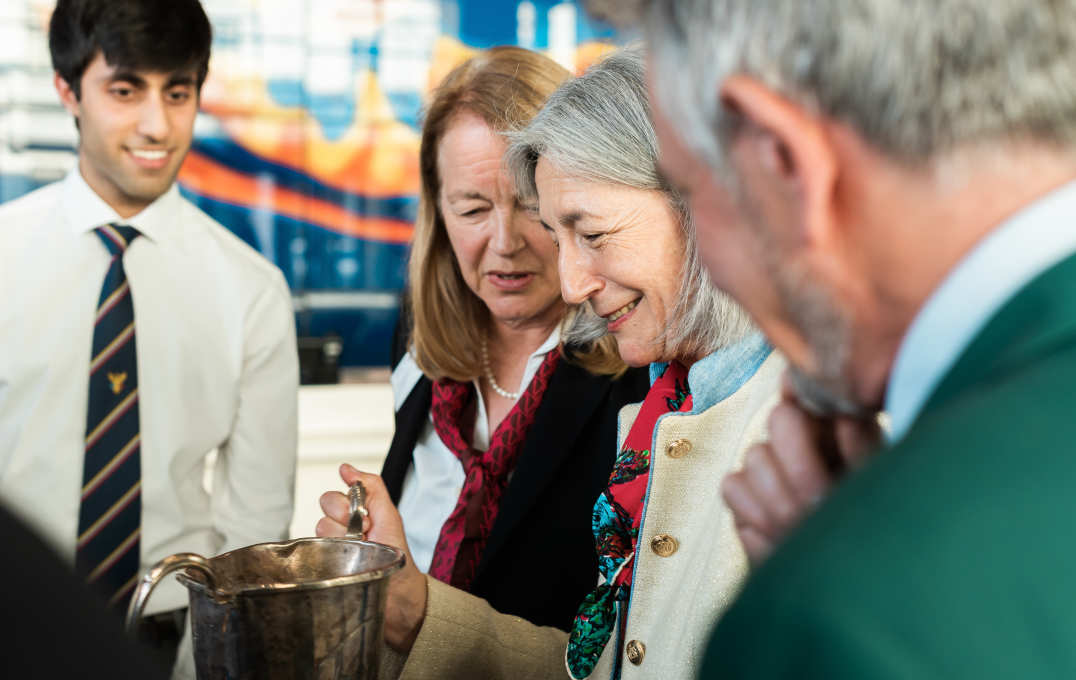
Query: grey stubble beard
(829, 390)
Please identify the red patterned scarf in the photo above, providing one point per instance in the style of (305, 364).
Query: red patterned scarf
(465, 532)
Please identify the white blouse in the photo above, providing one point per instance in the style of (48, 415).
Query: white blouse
(433, 483)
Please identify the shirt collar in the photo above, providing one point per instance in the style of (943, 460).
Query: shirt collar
(1002, 263)
(717, 376)
(85, 210)
(550, 343)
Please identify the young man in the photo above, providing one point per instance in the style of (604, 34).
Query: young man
(889, 188)
(139, 334)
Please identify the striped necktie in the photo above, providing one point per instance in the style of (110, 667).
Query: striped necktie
(110, 511)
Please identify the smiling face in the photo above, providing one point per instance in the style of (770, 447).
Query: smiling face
(621, 249)
(503, 253)
(135, 128)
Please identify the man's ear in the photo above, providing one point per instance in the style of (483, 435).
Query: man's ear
(788, 146)
(67, 95)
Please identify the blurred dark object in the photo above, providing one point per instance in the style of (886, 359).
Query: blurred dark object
(363, 322)
(58, 627)
(319, 359)
(159, 635)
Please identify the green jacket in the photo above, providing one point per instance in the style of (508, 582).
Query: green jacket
(953, 553)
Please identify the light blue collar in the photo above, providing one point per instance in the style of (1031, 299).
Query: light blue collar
(717, 376)
(1003, 262)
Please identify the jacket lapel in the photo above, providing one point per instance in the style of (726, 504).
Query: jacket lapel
(570, 399)
(410, 420)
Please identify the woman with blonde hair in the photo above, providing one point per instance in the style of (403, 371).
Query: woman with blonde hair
(504, 435)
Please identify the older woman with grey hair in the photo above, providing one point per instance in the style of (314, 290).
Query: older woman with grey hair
(669, 556)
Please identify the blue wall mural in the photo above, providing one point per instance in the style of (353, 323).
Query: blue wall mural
(306, 145)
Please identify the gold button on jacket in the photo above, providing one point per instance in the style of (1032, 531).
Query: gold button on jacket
(678, 448)
(636, 651)
(664, 545)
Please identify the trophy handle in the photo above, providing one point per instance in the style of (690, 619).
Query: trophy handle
(356, 495)
(152, 577)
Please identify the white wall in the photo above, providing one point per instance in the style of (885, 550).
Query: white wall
(347, 423)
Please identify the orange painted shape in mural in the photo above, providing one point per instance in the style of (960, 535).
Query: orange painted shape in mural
(377, 155)
(448, 53)
(590, 53)
(215, 181)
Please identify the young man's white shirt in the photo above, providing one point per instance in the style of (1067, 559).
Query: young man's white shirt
(217, 369)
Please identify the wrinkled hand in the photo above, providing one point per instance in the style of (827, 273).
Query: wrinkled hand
(405, 607)
(785, 478)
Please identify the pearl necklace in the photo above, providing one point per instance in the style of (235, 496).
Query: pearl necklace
(492, 381)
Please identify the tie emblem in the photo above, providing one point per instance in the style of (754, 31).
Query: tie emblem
(117, 380)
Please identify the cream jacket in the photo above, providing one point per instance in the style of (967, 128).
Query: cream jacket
(690, 563)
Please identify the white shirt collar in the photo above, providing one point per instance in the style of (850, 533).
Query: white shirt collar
(1031, 241)
(550, 343)
(85, 210)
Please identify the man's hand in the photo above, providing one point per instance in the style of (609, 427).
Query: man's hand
(406, 605)
(785, 478)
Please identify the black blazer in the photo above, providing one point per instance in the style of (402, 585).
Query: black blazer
(539, 562)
